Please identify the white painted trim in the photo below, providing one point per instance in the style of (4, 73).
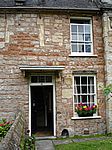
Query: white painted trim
(40, 84)
(81, 18)
(95, 88)
(29, 110)
(73, 95)
(95, 93)
(92, 40)
(54, 109)
(82, 53)
(54, 102)
(82, 118)
(25, 68)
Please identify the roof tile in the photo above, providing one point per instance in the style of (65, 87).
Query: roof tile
(84, 4)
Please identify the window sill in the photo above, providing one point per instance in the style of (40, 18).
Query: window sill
(83, 55)
(82, 118)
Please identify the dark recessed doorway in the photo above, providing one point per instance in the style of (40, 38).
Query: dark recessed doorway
(42, 110)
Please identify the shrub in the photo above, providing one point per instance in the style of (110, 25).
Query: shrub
(4, 127)
(107, 90)
(29, 143)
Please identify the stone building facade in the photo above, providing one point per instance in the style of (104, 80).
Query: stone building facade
(37, 43)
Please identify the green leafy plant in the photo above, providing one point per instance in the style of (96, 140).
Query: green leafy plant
(4, 127)
(29, 143)
(107, 90)
(84, 110)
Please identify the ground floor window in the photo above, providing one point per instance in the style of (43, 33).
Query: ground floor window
(84, 93)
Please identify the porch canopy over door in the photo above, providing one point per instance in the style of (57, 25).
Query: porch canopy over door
(53, 69)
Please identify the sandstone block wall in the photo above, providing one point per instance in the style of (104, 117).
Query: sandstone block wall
(44, 40)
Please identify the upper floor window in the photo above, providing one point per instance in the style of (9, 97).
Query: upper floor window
(81, 36)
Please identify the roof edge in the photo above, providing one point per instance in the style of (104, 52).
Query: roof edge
(52, 8)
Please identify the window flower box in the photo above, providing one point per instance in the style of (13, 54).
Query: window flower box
(84, 110)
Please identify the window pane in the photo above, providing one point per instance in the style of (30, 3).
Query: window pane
(48, 78)
(87, 37)
(91, 80)
(80, 28)
(74, 37)
(77, 85)
(84, 80)
(41, 78)
(86, 21)
(79, 99)
(33, 79)
(74, 28)
(84, 99)
(88, 48)
(91, 99)
(87, 28)
(84, 89)
(77, 80)
(91, 85)
(81, 37)
(77, 90)
(78, 21)
(75, 99)
(74, 48)
(90, 89)
(80, 48)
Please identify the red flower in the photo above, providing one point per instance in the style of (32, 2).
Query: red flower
(2, 124)
(80, 108)
(86, 108)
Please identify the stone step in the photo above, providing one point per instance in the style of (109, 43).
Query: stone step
(44, 145)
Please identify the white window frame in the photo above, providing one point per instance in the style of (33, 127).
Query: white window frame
(54, 98)
(82, 53)
(41, 82)
(95, 92)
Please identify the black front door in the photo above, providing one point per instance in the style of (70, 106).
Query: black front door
(42, 110)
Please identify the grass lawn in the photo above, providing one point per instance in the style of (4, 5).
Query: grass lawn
(88, 145)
